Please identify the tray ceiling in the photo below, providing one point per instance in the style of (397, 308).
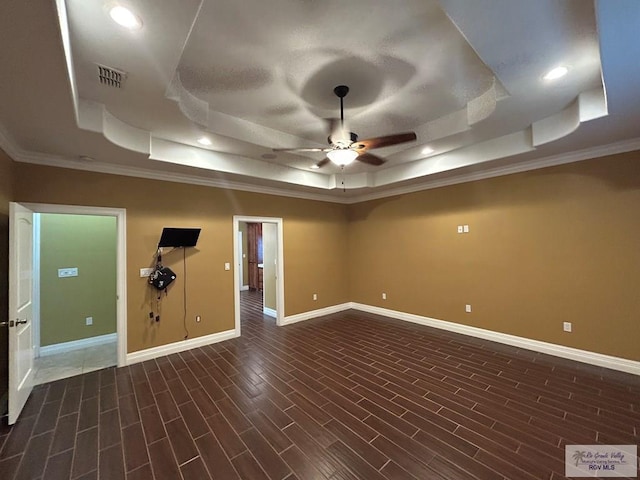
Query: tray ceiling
(250, 76)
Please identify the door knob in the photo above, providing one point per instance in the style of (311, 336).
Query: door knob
(11, 323)
(20, 322)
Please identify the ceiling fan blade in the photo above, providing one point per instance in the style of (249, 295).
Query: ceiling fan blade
(370, 159)
(311, 149)
(386, 141)
(323, 162)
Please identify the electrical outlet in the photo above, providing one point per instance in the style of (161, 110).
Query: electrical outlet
(467, 308)
(88, 321)
(567, 327)
(198, 318)
(227, 266)
(465, 228)
(315, 296)
(384, 296)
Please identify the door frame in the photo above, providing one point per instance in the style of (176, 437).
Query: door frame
(120, 215)
(240, 263)
(279, 270)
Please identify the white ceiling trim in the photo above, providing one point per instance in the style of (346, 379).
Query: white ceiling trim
(218, 123)
(95, 117)
(530, 165)
(20, 155)
(37, 158)
(63, 21)
(180, 154)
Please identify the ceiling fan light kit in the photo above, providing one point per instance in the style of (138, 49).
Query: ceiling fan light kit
(342, 157)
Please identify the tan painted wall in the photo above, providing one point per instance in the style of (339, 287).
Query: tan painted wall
(314, 237)
(554, 245)
(269, 255)
(6, 195)
(89, 244)
(548, 246)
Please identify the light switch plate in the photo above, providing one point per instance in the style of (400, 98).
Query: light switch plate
(460, 229)
(67, 272)
(227, 266)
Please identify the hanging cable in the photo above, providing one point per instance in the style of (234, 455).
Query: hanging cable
(184, 292)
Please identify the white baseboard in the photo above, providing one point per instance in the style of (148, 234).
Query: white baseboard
(299, 317)
(78, 344)
(154, 352)
(244, 287)
(584, 356)
(270, 311)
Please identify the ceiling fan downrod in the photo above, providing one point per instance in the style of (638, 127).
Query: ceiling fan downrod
(341, 92)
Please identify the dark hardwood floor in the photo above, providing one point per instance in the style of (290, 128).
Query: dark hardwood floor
(347, 396)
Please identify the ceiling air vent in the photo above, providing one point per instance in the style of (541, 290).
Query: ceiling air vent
(111, 77)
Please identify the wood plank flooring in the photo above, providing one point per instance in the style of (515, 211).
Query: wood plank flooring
(347, 396)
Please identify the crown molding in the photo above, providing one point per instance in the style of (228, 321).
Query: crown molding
(521, 167)
(11, 147)
(24, 156)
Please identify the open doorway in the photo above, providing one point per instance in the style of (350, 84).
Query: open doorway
(258, 252)
(79, 311)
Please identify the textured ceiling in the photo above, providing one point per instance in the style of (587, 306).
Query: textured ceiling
(466, 77)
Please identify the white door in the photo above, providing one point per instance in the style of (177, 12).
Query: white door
(241, 257)
(20, 308)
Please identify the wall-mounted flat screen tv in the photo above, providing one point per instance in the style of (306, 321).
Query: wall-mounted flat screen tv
(179, 237)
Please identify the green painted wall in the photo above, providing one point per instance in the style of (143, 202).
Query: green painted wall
(88, 243)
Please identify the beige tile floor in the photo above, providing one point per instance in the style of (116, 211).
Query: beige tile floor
(67, 364)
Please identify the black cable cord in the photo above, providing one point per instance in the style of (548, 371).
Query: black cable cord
(184, 293)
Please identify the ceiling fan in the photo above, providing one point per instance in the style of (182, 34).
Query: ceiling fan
(345, 146)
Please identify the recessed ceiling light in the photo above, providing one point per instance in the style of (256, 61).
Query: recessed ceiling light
(204, 141)
(427, 150)
(315, 167)
(556, 73)
(125, 17)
